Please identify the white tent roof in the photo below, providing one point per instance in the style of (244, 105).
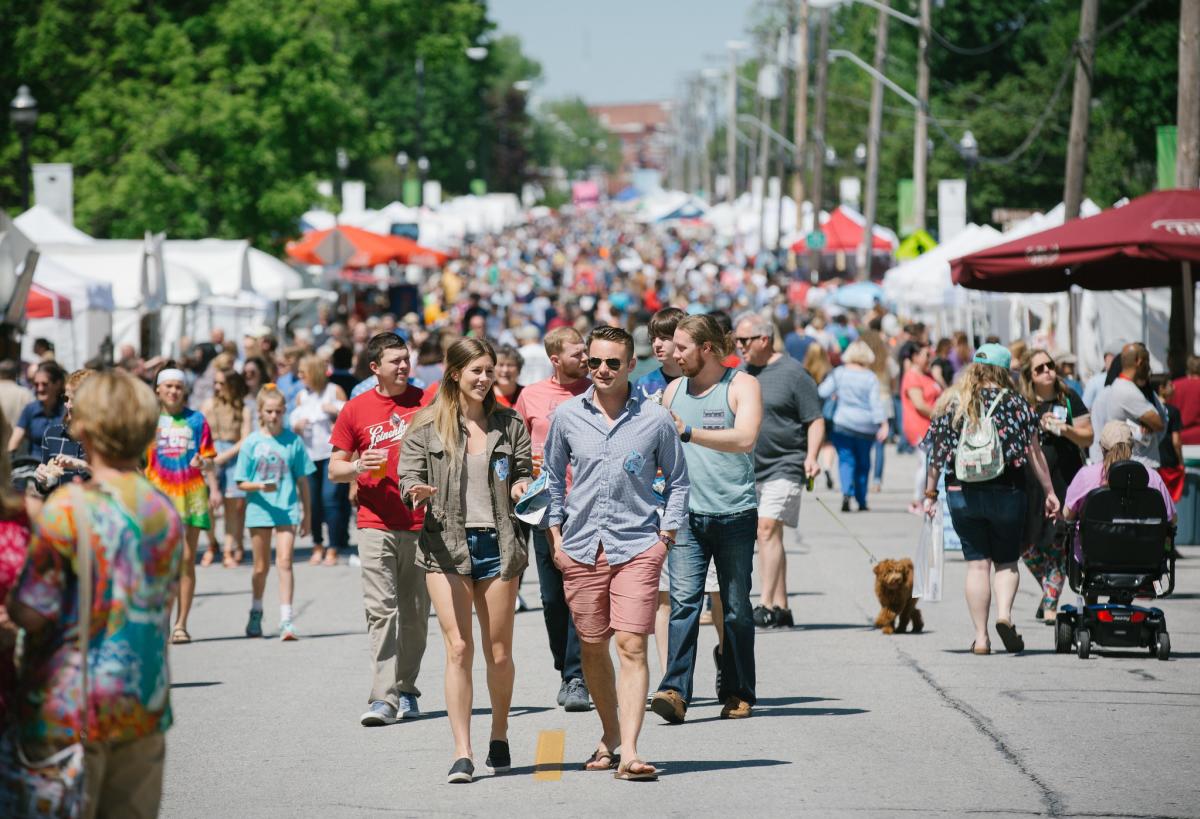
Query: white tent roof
(140, 279)
(220, 263)
(84, 293)
(925, 280)
(270, 277)
(41, 224)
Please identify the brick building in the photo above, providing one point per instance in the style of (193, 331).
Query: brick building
(642, 128)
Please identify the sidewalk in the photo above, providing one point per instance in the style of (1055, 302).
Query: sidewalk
(849, 721)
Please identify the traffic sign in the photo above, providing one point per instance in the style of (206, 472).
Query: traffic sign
(815, 240)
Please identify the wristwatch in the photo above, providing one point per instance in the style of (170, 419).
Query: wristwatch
(686, 435)
(667, 539)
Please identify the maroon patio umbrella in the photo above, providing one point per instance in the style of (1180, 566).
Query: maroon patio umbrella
(1154, 241)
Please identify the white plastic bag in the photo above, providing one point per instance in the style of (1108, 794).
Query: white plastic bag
(929, 560)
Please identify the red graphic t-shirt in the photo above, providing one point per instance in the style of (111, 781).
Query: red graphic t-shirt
(374, 421)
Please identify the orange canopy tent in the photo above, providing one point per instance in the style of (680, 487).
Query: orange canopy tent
(43, 303)
(347, 246)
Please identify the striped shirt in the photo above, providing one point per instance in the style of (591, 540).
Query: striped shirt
(612, 499)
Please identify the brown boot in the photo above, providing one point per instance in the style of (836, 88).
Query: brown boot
(735, 708)
(668, 705)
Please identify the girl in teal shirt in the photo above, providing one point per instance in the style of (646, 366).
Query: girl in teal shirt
(272, 469)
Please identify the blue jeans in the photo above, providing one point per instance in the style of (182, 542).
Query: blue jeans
(727, 540)
(877, 460)
(560, 628)
(330, 506)
(854, 462)
(902, 445)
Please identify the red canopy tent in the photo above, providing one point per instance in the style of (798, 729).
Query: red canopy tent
(348, 246)
(1147, 243)
(844, 232)
(43, 303)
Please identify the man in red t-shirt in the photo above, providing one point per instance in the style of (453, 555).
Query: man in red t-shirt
(568, 356)
(394, 594)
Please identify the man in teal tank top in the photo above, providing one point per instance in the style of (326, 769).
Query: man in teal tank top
(718, 412)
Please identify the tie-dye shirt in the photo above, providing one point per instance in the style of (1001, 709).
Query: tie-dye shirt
(135, 539)
(169, 464)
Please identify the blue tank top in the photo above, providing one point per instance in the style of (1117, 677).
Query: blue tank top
(722, 482)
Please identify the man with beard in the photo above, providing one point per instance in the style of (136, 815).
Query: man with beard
(717, 412)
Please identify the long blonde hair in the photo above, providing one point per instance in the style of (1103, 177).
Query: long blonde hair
(444, 413)
(1122, 451)
(974, 379)
(816, 361)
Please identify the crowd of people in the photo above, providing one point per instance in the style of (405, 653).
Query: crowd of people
(639, 410)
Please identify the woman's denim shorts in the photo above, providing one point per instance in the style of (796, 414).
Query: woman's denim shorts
(484, 546)
(989, 520)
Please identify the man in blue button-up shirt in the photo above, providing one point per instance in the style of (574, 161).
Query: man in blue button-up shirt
(606, 534)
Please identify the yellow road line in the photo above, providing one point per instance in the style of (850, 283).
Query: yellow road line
(547, 766)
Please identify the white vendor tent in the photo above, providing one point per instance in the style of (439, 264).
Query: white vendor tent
(77, 339)
(43, 225)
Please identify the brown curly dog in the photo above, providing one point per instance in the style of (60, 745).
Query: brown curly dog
(893, 587)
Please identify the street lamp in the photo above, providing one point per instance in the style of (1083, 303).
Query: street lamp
(860, 155)
(968, 149)
(831, 157)
(23, 115)
(477, 53)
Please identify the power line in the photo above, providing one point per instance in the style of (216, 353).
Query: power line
(1018, 23)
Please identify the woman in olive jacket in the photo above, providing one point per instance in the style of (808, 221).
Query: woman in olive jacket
(469, 458)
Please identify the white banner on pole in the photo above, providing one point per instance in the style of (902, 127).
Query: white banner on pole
(952, 208)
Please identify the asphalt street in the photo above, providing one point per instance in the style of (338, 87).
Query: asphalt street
(849, 722)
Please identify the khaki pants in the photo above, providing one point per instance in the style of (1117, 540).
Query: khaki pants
(397, 607)
(124, 779)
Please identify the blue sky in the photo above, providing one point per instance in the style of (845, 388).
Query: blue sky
(621, 50)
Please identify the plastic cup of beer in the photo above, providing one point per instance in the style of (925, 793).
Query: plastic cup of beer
(537, 465)
(380, 471)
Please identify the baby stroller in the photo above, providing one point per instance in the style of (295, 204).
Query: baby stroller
(1122, 548)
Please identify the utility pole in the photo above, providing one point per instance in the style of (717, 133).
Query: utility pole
(921, 132)
(1081, 103)
(731, 148)
(764, 171)
(800, 125)
(818, 152)
(781, 154)
(875, 125)
(1187, 175)
(1187, 120)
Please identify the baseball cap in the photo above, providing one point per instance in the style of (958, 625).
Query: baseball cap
(995, 354)
(1115, 432)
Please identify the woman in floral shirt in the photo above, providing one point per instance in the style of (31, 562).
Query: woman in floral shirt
(989, 515)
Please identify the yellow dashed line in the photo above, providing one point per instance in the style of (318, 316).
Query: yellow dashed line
(548, 762)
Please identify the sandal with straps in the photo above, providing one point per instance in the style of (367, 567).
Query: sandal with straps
(596, 762)
(625, 771)
(179, 636)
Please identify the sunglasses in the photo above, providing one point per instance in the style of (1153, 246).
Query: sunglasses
(1041, 368)
(745, 340)
(614, 364)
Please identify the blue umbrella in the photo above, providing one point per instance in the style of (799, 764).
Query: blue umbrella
(858, 296)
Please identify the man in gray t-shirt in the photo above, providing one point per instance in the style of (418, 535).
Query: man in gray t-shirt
(785, 456)
(1123, 400)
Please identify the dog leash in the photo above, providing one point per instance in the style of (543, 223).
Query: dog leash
(853, 537)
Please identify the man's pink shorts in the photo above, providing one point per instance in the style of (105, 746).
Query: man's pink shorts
(604, 598)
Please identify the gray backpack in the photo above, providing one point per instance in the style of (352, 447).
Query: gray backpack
(980, 454)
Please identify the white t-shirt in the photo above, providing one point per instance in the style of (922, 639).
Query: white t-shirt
(310, 407)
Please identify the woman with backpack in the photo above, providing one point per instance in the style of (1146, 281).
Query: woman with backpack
(983, 440)
(1066, 434)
